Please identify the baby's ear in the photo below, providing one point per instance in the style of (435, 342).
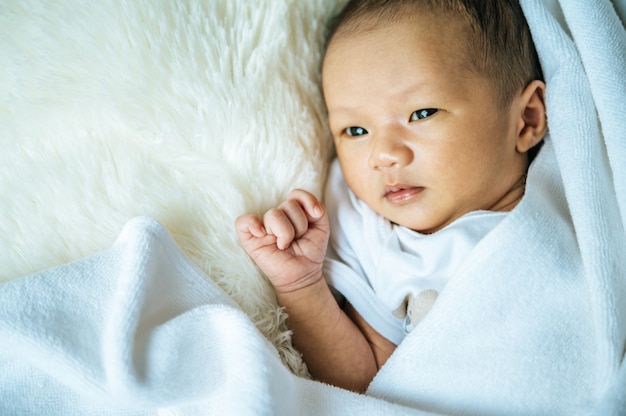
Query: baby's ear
(532, 122)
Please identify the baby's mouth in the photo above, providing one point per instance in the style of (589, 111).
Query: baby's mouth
(399, 194)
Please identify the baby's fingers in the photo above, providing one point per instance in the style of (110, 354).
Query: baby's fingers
(249, 225)
(296, 215)
(292, 217)
(308, 203)
(278, 224)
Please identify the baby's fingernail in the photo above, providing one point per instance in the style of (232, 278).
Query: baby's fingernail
(317, 211)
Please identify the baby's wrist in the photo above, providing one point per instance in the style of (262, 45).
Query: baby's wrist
(308, 303)
(306, 283)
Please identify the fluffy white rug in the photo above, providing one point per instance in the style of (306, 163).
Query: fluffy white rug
(188, 111)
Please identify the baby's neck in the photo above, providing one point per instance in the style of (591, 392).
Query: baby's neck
(512, 197)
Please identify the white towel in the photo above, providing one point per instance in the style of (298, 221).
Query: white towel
(584, 110)
(534, 323)
(139, 330)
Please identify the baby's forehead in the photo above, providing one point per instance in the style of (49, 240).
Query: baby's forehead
(447, 26)
(490, 37)
(448, 36)
(388, 14)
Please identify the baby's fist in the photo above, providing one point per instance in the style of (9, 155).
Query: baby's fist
(289, 244)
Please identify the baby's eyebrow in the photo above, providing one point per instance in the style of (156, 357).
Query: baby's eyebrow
(413, 88)
(342, 109)
(342, 115)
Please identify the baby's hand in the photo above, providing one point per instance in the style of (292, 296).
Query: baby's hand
(289, 244)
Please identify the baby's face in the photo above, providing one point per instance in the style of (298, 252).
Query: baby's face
(419, 138)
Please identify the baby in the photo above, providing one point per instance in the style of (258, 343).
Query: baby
(433, 106)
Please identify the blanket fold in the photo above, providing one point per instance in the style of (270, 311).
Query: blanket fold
(586, 87)
(534, 322)
(139, 330)
(119, 325)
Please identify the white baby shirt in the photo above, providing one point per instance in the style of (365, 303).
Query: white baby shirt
(377, 266)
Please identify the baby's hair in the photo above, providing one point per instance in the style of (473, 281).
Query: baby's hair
(498, 40)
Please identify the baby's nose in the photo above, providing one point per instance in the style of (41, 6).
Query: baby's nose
(388, 152)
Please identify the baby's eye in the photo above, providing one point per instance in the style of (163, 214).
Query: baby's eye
(355, 131)
(423, 113)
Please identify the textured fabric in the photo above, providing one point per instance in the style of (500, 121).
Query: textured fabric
(191, 112)
(138, 329)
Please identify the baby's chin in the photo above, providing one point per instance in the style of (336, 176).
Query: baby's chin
(425, 225)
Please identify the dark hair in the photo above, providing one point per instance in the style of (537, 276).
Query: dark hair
(498, 41)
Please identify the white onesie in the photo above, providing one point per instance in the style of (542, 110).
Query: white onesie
(379, 266)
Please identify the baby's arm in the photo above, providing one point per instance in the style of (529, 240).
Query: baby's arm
(289, 245)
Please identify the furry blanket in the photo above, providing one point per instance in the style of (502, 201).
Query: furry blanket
(192, 112)
(189, 111)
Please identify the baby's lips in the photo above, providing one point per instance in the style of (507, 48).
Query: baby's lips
(401, 194)
(396, 188)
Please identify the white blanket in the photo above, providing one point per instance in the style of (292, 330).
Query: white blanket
(138, 329)
(535, 322)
